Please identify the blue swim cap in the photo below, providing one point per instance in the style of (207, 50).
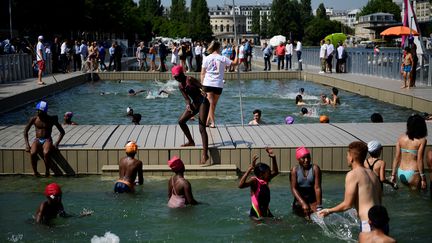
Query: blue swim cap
(42, 106)
(131, 91)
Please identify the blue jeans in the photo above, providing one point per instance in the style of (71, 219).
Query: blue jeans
(288, 60)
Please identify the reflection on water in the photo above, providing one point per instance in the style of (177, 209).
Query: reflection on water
(223, 216)
(275, 98)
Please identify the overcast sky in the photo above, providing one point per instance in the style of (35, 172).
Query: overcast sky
(336, 4)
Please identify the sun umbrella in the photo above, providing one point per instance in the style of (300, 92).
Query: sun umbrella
(277, 39)
(399, 31)
(335, 38)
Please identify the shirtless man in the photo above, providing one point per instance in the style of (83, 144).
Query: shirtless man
(43, 143)
(378, 220)
(179, 189)
(362, 186)
(256, 118)
(129, 168)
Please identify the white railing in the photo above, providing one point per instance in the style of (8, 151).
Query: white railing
(14, 67)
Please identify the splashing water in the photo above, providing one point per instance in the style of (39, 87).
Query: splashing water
(107, 238)
(15, 238)
(338, 226)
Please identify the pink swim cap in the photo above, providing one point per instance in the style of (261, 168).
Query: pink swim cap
(176, 164)
(301, 152)
(176, 70)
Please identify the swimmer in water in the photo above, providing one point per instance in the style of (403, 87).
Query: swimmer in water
(306, 184)
(299, 100)
(129, 169)
(379, 222)
(132, 92)
(179, 189)
(335, 99)
(257, 118)
(325, 100)
(259, 185)
(52, 207)
(67, 119)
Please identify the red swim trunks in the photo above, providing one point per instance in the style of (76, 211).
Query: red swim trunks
(41, 65)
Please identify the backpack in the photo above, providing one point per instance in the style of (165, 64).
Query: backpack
(247, 49)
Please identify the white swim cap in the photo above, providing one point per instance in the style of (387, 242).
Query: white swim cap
(374, 146)
(128, 109)
(40, 37)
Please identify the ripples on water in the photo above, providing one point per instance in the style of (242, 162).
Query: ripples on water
(275, 98)
(223, 216)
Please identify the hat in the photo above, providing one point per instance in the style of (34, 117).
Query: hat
(176, 164)
(69, 114)
(52, 190)
(40, 37)
(289, 120)
(131, 147)
(374, 146)
(301, 152)
(129, 109)
(324, 119)
(42, 106)
(176, 70)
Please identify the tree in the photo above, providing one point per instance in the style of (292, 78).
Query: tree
(178, 11)
(321, 12)
(385, 6)
(264, 26)
(305, 11)
(150, 8)
(319, 28)
(256, 25)
(199, 23)
(285, 18)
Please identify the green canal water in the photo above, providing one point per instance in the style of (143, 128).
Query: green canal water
(222, 216)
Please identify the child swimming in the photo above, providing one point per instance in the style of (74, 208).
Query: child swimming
(260, 191)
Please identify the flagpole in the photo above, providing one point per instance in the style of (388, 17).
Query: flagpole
(238, 68)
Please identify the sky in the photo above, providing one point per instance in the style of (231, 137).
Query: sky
(335, 4)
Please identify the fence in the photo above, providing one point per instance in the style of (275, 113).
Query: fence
(385, 64)
(15, 67)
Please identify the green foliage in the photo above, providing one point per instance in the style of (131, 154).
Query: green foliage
(319, 28)
(178, 11)
(264, 26)
(286, 18)
(385, 6)
(199, 23)
(305, 11)
(321, 12)
(256, 25)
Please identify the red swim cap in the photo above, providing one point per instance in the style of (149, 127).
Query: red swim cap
(301, 152)
(176, 70)
(176, 164)
(52, 189)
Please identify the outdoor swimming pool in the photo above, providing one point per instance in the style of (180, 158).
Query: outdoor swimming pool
(223, 216)
(275, 98)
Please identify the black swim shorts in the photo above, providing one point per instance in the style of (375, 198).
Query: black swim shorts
(215, 90)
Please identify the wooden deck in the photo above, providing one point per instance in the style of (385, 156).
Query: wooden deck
(90, 147)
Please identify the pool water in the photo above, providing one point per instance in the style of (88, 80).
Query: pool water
(276, 99)
(223, 216)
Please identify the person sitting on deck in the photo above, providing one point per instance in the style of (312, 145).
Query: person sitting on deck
(376, 164)
(305, 181)
(43, 143)
(67, 119)
(129, 169)
(378, 220)
(52, 207)
(259, 185)
(257, 118)
(179, 189)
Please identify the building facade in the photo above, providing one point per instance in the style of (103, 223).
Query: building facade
(369, 26)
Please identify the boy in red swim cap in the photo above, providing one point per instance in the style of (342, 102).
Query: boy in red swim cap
(129, 168)
(53, 206)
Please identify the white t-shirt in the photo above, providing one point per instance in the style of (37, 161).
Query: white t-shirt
(298, 46)
(330, 49)
(214, 64)
(289, 49)
(323, 50)
(198, 50)
(63, 48)
(241, 52)
(340, 51)
(40, 47)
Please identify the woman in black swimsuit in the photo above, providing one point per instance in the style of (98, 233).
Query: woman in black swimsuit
(196, 102)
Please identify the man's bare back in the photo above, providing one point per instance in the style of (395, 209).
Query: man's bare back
(129, 168)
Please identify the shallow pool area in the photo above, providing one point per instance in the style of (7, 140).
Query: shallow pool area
(222, 216)
(276, 99)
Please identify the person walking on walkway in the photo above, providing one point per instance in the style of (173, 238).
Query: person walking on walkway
(40, 59)
(212, 77)
(288, 55)
(267, 52)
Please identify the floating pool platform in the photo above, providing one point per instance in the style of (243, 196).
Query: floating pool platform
(96, 149)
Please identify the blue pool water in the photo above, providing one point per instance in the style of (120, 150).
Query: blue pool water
(276, 99)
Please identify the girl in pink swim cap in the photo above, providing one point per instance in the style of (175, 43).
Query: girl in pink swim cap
(306, 184)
